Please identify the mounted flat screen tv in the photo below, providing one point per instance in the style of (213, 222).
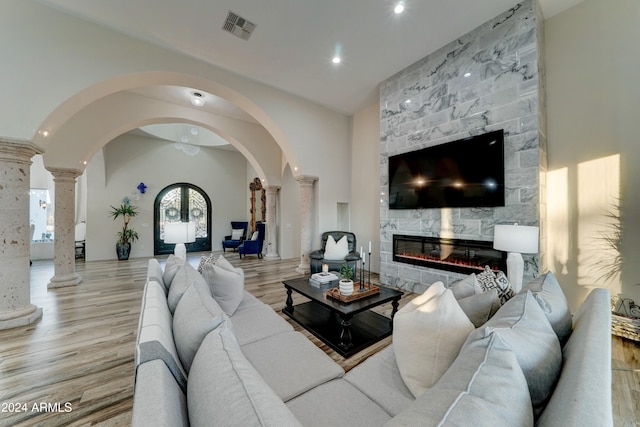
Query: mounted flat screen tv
(459, 174)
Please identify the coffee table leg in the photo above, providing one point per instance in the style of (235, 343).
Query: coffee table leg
(395, 303)
(289, 303)
(345, 333)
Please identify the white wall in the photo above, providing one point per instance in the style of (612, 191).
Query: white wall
(593, 131)
(128, 160)
(365, 180)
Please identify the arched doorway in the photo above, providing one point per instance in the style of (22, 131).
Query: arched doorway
(182, 202)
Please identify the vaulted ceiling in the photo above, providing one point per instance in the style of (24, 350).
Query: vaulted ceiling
(294, 42)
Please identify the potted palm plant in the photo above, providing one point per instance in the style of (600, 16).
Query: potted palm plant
(128, 235)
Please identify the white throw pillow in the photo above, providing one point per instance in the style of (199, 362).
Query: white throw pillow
(171, 267)
(336, 251)
(466, 287)
(428, 333)
(237, 233)
(254, 236)
(227, 287)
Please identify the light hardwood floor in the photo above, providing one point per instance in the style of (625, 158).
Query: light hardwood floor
(78, 359)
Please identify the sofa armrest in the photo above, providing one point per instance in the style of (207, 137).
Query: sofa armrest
(353, 256)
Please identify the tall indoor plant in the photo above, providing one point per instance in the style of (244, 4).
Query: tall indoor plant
(128, 235)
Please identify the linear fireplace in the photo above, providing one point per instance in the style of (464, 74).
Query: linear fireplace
(461, 256)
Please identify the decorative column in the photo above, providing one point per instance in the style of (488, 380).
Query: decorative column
(272, 238)
(64, 256)
(15, 237)
(306, 220)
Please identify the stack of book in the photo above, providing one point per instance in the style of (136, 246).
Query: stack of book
(323, 280)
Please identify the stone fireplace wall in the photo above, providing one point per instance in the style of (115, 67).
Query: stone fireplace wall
(491, 78)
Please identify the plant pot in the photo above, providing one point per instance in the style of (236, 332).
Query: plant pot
(346, 287)
(123, 250)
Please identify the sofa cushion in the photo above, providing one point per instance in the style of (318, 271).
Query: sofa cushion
(155, 337)
(586, 368)
(258, 322)
(171, 267)
(522, 325)
(291, 364)
(498, 281)
(227, 287)
(466, 287)
(224, 389)
(336, 251)
(337, 403)
(485, 386)
(547, 291)
(158, 400)
(196, 315)
(427, 335)
(379, 378)
(480, 307)
(185, 276)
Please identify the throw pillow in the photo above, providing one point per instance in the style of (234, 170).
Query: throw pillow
(547, 291)
(522, 326)
(196, 315)
(336, 251)
(171, 267)
(224, 263)
(237, 233)
(205, 259)
(466, 287)
(480, 307)
(227, 287)
(484, 386)
(181, 282)
(224, 389)
(427, 335)
(255, 235)
(490, 280)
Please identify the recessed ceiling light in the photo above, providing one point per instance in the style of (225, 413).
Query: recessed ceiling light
(399, 8)
(467, 74)
(197, 99)
(336, 60)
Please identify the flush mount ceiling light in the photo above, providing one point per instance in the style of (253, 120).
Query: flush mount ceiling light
(197, 99)
(399, 8)
(336, 60)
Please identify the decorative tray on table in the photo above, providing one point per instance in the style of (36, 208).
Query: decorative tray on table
(334, 293)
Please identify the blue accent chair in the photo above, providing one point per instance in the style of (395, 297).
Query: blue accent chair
(229, 242)
(253, 246)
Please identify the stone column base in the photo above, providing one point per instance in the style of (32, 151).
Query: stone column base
(64, 280)
(303, 269)
(274, 257)
(23, 317)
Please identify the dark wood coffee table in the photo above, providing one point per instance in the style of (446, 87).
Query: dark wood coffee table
(345, 327)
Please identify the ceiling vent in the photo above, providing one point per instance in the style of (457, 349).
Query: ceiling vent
(238, 26)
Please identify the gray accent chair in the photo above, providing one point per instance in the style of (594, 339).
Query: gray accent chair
(316, 258)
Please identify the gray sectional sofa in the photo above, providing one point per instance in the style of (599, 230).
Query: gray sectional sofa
(250, 368)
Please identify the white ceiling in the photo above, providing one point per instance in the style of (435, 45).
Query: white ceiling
(294, 41)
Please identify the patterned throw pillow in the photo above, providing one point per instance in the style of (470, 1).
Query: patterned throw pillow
(205, 259)
(489, 280)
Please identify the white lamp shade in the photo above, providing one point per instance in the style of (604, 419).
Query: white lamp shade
(516, 238)
(180, 232)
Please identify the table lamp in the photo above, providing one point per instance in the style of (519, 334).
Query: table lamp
(516, 240)
(180, 233)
